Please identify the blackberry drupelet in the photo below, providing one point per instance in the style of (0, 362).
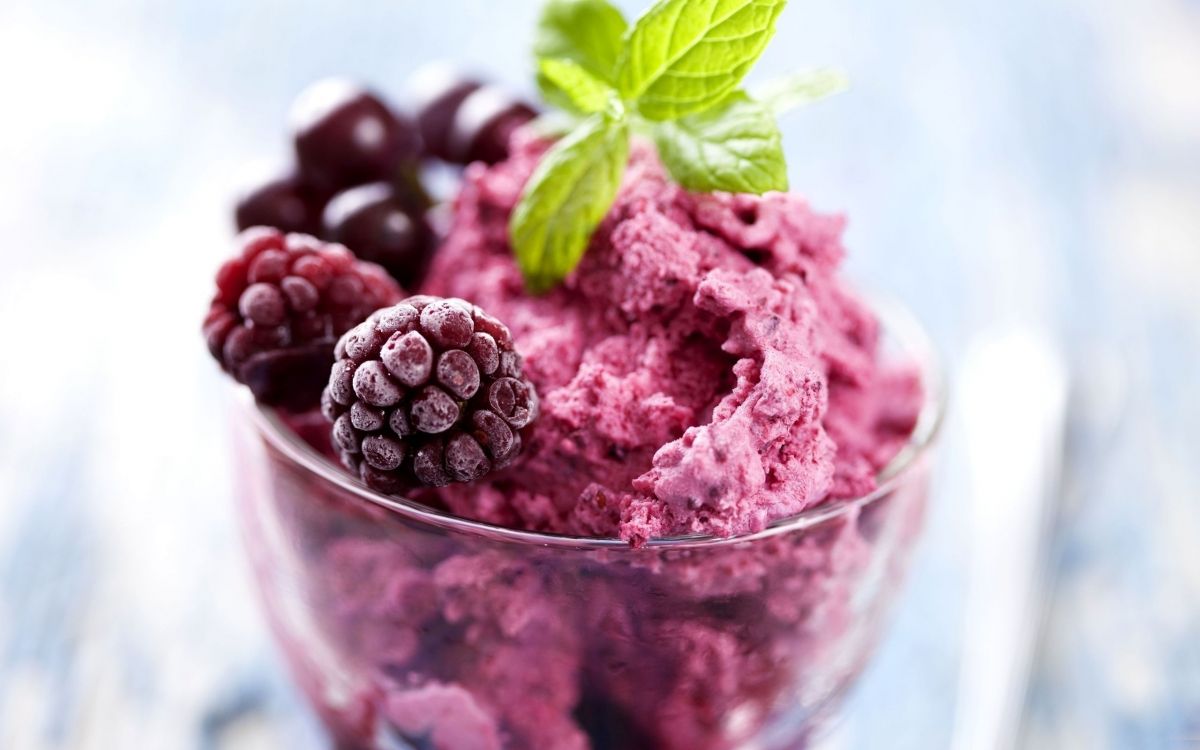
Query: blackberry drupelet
(281, 305)
(427, 392)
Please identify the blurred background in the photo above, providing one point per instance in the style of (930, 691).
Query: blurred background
(1028, 166)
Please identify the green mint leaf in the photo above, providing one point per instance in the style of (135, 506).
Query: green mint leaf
(735, 147)
(583, 92)
(800, 88)
(684, 56)
(587, 32)
(568, 194)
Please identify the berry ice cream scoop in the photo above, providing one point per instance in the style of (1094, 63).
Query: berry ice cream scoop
(281, 304)
(709, 390)
(425, 393)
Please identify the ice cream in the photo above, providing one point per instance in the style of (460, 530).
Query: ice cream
(704, 371)
(405, 634)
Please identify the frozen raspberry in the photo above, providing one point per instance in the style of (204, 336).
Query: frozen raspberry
(281, 305)
(427, 392)
(286, 203)
(345, 136)
(382, 227)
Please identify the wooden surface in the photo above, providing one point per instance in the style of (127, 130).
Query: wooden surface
(1030, 160)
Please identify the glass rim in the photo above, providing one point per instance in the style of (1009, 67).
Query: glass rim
(896, 321)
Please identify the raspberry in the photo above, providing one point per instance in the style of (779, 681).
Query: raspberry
(427, 392)
(281, 305)
(382, 228)
(345, 135)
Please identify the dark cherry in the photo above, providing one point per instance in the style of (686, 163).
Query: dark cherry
(345, 136)
(483, 123)
(436, 91)
(381, 227)
(285, 203)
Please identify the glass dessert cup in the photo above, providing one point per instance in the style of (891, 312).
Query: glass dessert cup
(409, 628)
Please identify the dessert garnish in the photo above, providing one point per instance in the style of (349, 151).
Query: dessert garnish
(345, 135)
(356, 176)
(463, 119)
(354, 180)
(674, 75)
(427, 392)
(383, 228)
(280, 305)
(424, 393)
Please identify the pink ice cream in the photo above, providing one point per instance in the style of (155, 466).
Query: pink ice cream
(704, 371)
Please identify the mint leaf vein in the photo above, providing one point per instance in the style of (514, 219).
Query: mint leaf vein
(684, 56)
(568, 194)
(586, 32)
(735, 147)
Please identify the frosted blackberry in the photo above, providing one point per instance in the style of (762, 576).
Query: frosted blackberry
(281, 305)
(427, 392)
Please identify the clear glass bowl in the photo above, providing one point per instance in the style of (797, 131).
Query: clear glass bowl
(409, 628)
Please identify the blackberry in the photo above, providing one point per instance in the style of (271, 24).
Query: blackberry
(427, 392)
(286, 203)
(345, 136)
(281, 305)
(382, 227)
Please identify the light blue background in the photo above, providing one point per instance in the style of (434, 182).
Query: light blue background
(1023, 161)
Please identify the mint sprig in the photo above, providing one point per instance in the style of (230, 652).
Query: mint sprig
(586, 32)
(684, 56)
(580, 89)
(734, 147)
(675, 75)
